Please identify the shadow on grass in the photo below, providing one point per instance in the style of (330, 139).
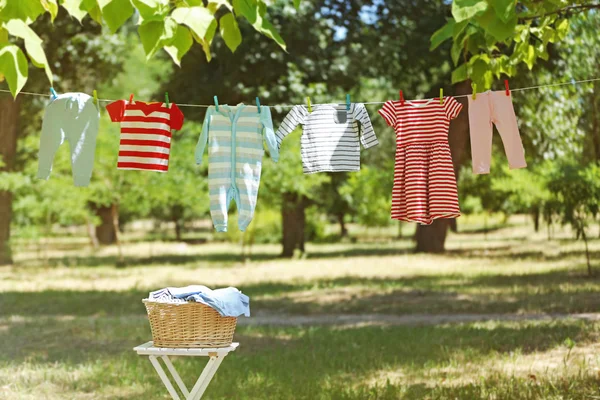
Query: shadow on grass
(277, 363)
(557, 291)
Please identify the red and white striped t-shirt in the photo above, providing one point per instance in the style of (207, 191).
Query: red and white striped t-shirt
(145, 133)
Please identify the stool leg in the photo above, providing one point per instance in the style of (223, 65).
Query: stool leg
(164, 378)
(209, 371)
(176, 376)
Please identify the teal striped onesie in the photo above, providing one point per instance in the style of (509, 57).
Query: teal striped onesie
(235, 150)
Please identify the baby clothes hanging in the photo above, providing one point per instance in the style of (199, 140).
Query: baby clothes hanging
(494, 108)
(74, 117)
(330, 139)
(235, 149)
(145, 133)
(424, 180)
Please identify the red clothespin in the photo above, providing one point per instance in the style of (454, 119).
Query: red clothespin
(131, 98)
(506, 86)
(401, 98)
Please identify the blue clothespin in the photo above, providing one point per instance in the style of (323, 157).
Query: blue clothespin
(167, 99)
(347, 102)
(216, 103)
(53, 92)
(258, 104)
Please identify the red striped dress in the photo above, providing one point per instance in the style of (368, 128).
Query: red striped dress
(145, 133)
(424, 180)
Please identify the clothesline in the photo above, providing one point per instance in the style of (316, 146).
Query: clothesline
(572, 82)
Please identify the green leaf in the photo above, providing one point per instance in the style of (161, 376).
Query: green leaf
(13, 65)
(230, 31)
(496, 27)
(505, 9)
(529, 56)
(152, 10)
(3, 35)
(26, 10)
(182, 42)
(214, 5)
(297, 4)
(156, 34)
(116, 12)
(442, 34)
(254, 11)
(93, 9)
(460, 74)
(481, 71)
(33, 44)
(562, 28)
(198, 19)
(456, 51)
(74, 8)
(465, 9)
(51, 6)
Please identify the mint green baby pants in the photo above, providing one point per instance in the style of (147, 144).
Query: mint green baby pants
(74, 117)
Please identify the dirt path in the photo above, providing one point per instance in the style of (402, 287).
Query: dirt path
(390, 320)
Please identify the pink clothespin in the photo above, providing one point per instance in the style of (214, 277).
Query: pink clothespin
(506, 86)
(401, 98)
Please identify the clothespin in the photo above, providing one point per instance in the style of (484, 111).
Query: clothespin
(309, 105)
(506, 86)
(474, 86)
(53, 92)
(258, 104)
(131, 98)
(401, 98)
(441, 96)
(167, 99)
(216, 103)
(95, 97)
(347, 102)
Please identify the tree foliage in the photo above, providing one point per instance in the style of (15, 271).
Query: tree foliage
(491, 38)
(172, 25)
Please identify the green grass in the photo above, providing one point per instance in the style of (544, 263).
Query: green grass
(69, 319)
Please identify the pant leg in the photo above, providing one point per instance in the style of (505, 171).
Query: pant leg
(247, 182)
(505, 119)
(51, 138)
(81, 134)
(480, 128)
(220, 197)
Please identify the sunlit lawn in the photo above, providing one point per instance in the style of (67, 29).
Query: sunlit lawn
(69, 318)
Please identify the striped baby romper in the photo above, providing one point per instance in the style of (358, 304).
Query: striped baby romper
(145, 133)
(424, 180)
(330, 139)
(235, 149)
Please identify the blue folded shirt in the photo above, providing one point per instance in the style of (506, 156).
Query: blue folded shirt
(229, 302)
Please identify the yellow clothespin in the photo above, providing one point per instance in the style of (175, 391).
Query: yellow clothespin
(474, 85)
(309, 105)
(95, 97)
(441, 96)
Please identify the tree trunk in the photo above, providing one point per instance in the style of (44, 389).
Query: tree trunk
(294, 221)
(587, 252)
(536, 218)
(177, 230)
(432, 238)
(9, 119)
(105, 232)
(343, 228)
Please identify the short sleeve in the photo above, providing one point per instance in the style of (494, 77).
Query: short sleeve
(116, 110)
(452, 107)
(176, 117)
(388, 112)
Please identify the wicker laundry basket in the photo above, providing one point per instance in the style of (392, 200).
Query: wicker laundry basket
(188, 325)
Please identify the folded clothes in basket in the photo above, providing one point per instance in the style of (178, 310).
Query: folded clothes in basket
(229, 302)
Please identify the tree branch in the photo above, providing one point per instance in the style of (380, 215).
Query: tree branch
(580, 8)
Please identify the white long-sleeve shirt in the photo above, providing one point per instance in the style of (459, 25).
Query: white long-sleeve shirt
(330, 139)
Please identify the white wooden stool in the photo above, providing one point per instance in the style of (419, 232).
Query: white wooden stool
(216, 358)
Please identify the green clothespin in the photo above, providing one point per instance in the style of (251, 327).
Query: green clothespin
(441, 96)
(309, 105)
(53, 92)
(347, 102)
(258, 104)
(474, 85)
(167, 99)
(95, 97)
(216, 103)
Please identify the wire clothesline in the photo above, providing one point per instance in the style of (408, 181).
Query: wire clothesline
(572, 82)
